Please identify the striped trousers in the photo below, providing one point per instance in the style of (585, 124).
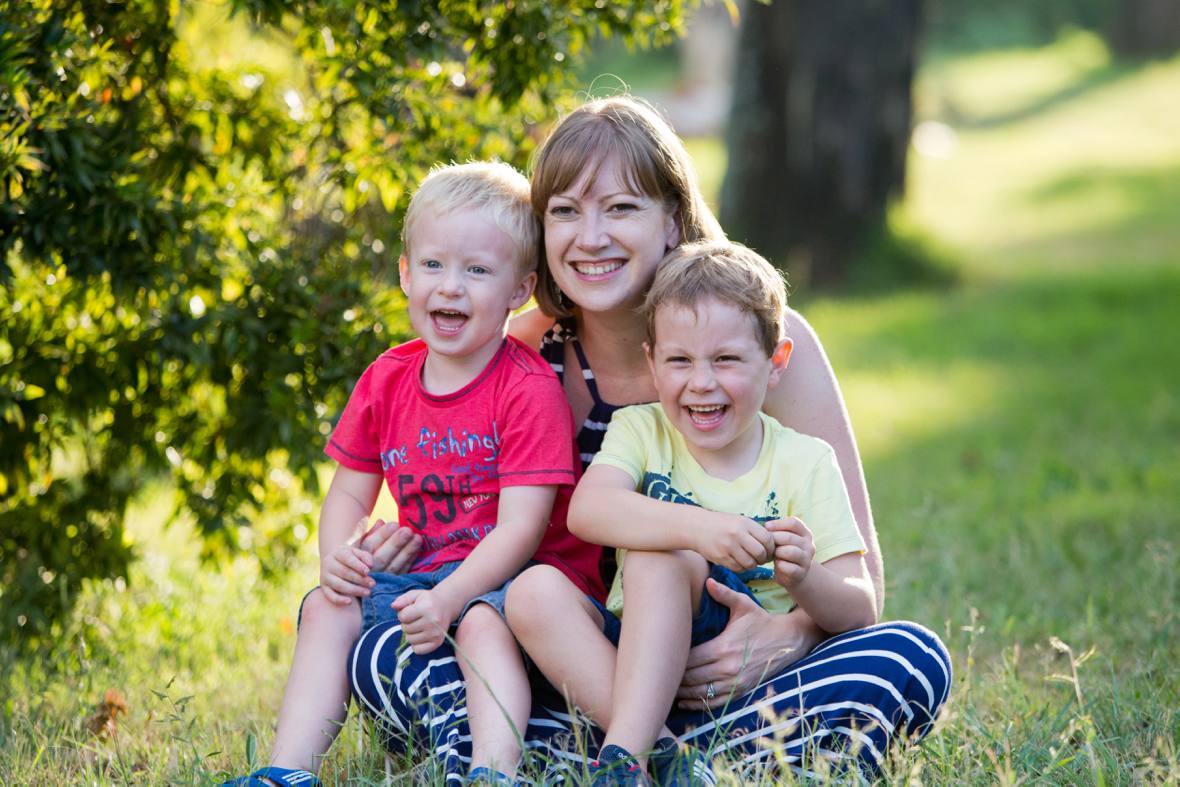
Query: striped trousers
(842, 704)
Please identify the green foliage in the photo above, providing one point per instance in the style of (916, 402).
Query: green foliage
(197, 251)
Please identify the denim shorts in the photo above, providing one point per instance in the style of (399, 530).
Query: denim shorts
(711, 619)
(378, 607)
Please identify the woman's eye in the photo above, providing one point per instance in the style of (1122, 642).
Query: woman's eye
(623, 207)
(561, 211)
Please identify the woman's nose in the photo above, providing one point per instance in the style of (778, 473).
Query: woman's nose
(591, 232)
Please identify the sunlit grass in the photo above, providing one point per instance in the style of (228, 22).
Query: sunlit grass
(1080, 173)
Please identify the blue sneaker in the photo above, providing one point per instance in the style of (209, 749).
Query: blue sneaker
(680, 765)
(482, 775)
(617, 767)
(284, 777)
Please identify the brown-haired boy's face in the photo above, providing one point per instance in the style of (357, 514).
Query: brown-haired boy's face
(712, 373)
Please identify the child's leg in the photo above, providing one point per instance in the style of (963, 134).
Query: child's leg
(562, 633)
(662, 591)
(498, 694)
(315, 702)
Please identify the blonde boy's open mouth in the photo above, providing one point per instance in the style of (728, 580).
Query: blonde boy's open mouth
(448, 321)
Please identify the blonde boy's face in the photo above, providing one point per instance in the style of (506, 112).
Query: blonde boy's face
(462, 279)
(712, 374)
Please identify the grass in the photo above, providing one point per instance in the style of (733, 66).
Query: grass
(1019, 433)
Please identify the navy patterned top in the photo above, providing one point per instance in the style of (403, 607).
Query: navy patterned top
(552, 349)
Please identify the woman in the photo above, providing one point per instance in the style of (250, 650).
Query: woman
(615, 189)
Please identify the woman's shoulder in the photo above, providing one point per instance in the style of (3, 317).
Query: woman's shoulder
(530, 326)
(806, 396)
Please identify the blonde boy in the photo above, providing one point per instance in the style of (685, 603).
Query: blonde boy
(471, 431)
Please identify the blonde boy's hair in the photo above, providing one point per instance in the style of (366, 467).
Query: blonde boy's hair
(486, 185)
(652, 160)
(728, 272)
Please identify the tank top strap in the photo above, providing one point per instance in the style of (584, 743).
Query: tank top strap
(587, 372)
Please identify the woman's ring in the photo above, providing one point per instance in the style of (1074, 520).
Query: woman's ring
(709, 692)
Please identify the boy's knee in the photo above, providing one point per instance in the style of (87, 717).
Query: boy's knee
(479, 624)
(534, 595)
(318, 612)
(683, 565)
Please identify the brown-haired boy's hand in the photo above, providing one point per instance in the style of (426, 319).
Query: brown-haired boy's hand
(735, 542)
(794, 550)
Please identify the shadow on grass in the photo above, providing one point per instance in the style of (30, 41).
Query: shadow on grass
(1085, 84)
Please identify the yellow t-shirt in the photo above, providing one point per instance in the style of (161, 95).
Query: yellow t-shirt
(795, 475)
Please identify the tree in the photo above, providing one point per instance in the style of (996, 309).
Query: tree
(818, 128)
(198, 256)
(1140, 28)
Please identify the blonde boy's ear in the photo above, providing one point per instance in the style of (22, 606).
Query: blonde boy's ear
(403, 273)
(779, 359)
(523, 291)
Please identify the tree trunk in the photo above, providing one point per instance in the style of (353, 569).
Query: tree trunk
(1144, 28)
(818, 129)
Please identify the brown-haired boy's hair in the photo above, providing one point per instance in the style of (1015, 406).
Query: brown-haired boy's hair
(728, 272)
(487, 185)
(652, 162)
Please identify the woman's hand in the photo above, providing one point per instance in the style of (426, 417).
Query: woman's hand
(394, 548)
(754, 645)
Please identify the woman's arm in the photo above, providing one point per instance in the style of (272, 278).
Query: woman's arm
(807, 398)
(530, 326)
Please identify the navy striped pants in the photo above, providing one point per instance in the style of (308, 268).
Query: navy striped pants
(845, 701)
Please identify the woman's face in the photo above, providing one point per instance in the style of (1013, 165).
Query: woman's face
(603, 242)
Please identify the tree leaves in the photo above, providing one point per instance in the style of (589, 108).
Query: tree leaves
(198, 238)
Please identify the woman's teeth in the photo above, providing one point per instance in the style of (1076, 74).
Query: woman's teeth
(596, 268)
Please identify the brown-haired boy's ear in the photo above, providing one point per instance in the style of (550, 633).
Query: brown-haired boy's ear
(403, 273)
(779, 359)
(651, 360)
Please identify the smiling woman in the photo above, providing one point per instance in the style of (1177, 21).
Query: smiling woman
(616, 191)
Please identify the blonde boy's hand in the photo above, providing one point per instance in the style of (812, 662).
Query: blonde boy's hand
(735, 542)
(794, 550)
(393, 547)
(425, 615)
(344, 574)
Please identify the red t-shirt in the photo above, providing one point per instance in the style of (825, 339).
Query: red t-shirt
(445, 458)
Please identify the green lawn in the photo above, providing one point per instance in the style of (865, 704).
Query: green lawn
(1019, 433)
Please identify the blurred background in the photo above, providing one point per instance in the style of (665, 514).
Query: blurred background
(977, 203)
